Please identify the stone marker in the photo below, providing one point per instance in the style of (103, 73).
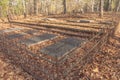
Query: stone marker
(81, 21)
(86, 21)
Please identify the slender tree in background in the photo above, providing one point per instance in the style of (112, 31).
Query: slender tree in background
(0, 11)
(92, 7)
(64, 6)
(10, 10)
(101, 8)
(109, 5)
(118, 7)
(36, 7)
(24, 8)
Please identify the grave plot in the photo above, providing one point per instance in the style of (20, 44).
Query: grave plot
(38, 39)
(67, 50)
(55, 61)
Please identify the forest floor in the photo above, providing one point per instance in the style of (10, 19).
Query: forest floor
(105, 65)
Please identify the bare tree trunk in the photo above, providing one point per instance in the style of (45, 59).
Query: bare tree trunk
(101, 8)
(97, 6)
(64, 6)
(0, 11)
(30, 7)
(109, 5)
(24, 7)
(36, 7)
(10, 11)
(93, 2)
(118, 7)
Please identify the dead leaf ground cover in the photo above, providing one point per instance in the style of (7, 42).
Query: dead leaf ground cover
(104, 65)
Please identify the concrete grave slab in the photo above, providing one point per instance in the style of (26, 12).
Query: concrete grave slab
(12, 29)
(38, 39)
(13, 36)
(72, 41)
(57, 50)
(28, 42)
(62, 47)
(43, 37)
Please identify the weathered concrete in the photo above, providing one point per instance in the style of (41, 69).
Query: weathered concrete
(12, 29)
(14, 36)
(38, 39)
(62, 47)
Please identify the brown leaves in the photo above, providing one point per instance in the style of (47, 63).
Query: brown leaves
(96, 70)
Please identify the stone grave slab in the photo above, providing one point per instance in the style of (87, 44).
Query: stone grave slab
(12, 29)
(72, 41)
(28, 42)
(38, 39)
(57, 50)
(62, 47)
(13, 36)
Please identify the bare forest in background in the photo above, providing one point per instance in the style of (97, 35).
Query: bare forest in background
(59, 39)
(50, 7)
